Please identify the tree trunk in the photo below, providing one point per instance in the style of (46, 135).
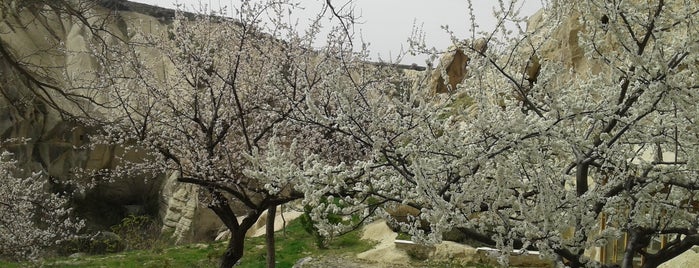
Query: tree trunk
(627, 262)
(269, 235)
(234, 252)
(630, 250)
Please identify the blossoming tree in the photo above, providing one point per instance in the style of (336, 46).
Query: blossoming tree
(532, 152)
(211, 99)
(33, 220)
(35, 214)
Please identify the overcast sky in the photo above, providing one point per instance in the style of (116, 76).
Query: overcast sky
(387, 24)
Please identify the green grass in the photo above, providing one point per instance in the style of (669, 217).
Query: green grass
(297, 244)
(291, 246)
(9, 264)
(180, 256)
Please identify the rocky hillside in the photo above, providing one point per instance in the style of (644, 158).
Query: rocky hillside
(44, 50)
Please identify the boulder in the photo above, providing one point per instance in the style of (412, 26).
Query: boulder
(515, 258)
(259, 227)
(448, 250)
(414, 250)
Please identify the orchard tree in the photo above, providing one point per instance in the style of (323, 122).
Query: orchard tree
(33, 220)
(210, 98)
(531, 151)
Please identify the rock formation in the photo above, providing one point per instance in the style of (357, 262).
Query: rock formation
(453, 66)
(44, 51)
(183, 215)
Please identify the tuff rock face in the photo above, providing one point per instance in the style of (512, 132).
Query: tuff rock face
(182, 213)
(54, 47)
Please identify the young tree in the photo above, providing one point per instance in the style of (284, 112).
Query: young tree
(562, 159)
(211, 97)
(33, 219)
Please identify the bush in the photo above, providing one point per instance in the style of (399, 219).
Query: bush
(309, 225)
(138, 232)
(134, 232)
(100, 243)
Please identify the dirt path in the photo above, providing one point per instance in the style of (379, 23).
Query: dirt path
(351, 262)
(333, 261)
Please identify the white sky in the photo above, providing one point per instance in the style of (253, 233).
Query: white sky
(387, 24)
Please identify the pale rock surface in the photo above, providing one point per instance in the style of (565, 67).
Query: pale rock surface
(385, 251)
(448, 250)
(689, 258)
(259, 228)
(454, 63)
(55, 46)
(183, 215)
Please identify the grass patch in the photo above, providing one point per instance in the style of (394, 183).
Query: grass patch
(194, 255)
(9, 264)
(404, 236)
(297, 244)
(291, 246)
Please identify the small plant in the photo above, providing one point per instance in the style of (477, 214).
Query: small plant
(322, 242)
(138, 232)
(404, 236)
(99, 243)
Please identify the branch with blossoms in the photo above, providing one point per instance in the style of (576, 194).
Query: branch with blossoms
(590, 155)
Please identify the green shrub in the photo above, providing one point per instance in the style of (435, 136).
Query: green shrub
(138, 232)
(309, 225)
(99, 243)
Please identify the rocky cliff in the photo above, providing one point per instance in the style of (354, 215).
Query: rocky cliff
(44, 52)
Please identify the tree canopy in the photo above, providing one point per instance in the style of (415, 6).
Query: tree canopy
(562, 136)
